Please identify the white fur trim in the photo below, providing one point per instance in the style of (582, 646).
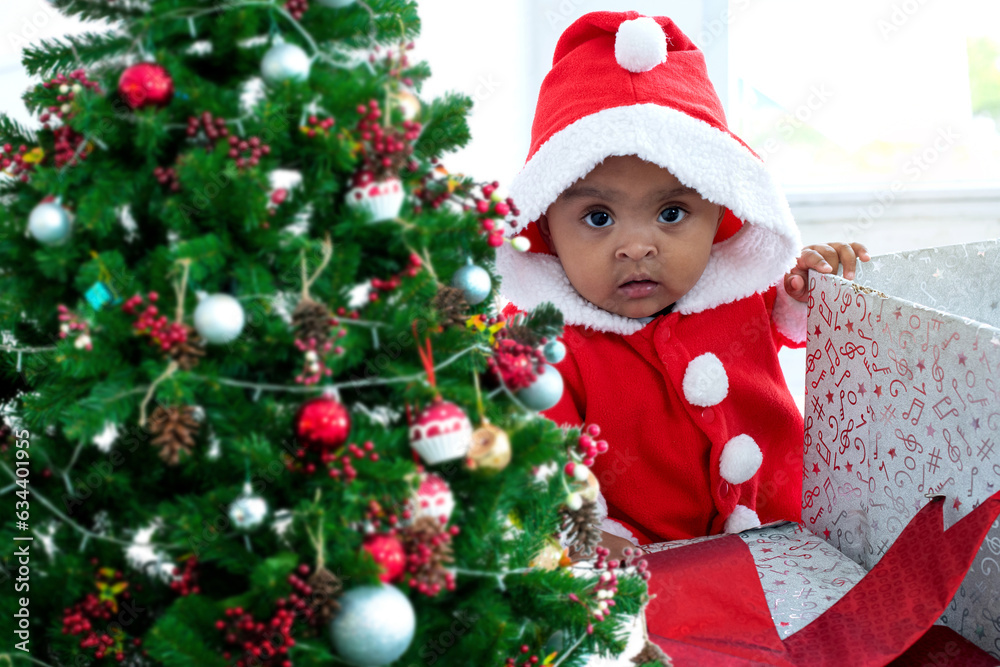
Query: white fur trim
(705, 381)
(640, 44)
(742, 518)
(610, 525)
(740, 460)
(790, 315)
(702, 157)
(613, 527)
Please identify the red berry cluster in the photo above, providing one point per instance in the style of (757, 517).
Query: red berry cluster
(395, 60)
(384, 150)
(167, 176)
(516, 364)
(314, 125)
(253, 642)
(491, 210)
(379, 285)
(14, 161)
(601, 597)
(214, 128)
(495, 212)
(164, 333)
(67, 146)
(247, 152)
(587, 448)
(67, 88)
(338, 463)
(422, 558)
(93, 617)
(529, 660)
(186, 582)
(71, 323)
(376, 514)
(296, 8)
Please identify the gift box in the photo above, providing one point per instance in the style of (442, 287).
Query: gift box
(897, 558)
(902, 404)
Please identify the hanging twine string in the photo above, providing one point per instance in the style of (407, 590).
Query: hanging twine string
(327, 254)
(103, 274)
(479, 398)
(171, 369)
(180, 289)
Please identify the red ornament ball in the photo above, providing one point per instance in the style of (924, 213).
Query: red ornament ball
(144, 85)
(322, 423)
(388, 552)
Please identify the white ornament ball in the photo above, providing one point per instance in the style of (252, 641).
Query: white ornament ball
(284, 62)
(574, 501)
(219, 318)
(580, 472)
(520, 243)
(374, 626)
(248, 512)
(49, 223)
(474, 281)
(544, 392)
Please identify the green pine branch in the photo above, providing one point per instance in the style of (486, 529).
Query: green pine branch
(95, 10)
(50, 56)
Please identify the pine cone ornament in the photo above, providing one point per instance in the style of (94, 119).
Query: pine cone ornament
(175, 429)
(326, 588)
(428, 550)
(311, 319)
(189, 353)
(652, 653)
(451, 305)
(523, 335)
(584, 527)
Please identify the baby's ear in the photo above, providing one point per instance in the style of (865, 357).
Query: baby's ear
(543, 229)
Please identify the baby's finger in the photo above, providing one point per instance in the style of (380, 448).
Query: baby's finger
(813, 259)
(861, 251)
(795, 285)
(848, 259)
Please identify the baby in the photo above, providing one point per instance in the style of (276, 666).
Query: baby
(675, 261)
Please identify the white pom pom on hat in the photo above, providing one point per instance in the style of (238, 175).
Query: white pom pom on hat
(640, 44)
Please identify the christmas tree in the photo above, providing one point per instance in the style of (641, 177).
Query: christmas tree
(260, 406)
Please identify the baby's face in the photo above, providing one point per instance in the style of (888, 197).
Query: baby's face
(628, 217)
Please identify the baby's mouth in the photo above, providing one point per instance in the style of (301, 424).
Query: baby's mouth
(637, 289)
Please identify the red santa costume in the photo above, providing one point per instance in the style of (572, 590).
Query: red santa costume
(704, 436)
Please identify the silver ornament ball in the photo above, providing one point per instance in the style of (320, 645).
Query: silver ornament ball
(374, 627)
(474, 281)
(554, 351)
(544, 392)
(337, 4)
(248, 512)
(284, 62)
(49, 223)
(219, 318)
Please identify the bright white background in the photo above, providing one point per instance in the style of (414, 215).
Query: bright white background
(844, 101)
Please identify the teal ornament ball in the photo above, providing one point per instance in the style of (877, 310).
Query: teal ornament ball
(554, 351)
(219, 318)
(544, 392)
(49, 223)
(474, 281)
(284, 62)
(374, 627)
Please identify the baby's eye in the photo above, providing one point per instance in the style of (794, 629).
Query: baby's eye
(672, 214)
(599, 219)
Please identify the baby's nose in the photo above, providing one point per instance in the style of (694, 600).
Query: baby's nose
(636, 246)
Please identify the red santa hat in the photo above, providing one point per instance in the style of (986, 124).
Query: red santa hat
(626, 84)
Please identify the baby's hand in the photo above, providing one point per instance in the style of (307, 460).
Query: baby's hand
(825, 258)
